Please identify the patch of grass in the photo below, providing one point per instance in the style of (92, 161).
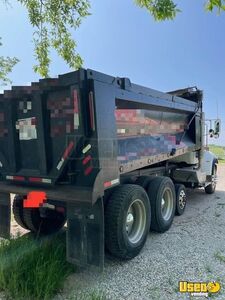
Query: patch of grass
(33, 268)
(220, 257)
(219, 151)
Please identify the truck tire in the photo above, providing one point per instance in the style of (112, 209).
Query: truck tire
(18, 211)
(144, 181)
(210, 189)
(181, 199)
(127, 221)
(161, 192)
(37, 224)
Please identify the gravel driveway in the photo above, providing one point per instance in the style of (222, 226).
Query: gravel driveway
(192, 250)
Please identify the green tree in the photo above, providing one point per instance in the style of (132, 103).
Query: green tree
(163, 10)
(6, 66)
(54, 20)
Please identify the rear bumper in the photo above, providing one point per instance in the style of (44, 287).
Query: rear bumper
(69, 193)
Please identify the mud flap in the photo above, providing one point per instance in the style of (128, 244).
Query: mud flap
(85, 235)
(5, 215)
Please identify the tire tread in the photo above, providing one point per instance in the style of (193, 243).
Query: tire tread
(153, 192)
(112, 218)
(17, 209)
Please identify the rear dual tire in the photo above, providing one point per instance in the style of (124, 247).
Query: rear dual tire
(162, 197)
(30, 218)
(18, 211)
(127, 221)
(48, 225)
(130, 212)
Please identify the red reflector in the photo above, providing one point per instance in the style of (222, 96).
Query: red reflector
(86, 159)
(75, 101)
(35, 179)
(107, 184)
(91, 108)
(19, 178)
(68, 150)
(34, 199)
(88, 171)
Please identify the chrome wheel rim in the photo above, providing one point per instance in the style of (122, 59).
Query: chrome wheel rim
(182, 199)
(167, 204)
(135, 221)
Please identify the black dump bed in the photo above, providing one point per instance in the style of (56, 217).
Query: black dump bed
(87, 129)
(39, 126)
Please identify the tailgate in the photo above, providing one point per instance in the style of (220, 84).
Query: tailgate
(39, 130)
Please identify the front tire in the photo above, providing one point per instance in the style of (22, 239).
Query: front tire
(181, 199)
(162, 197)
(127, 221)
(210, 189)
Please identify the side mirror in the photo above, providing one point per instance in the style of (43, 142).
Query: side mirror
(215, 132)
(217, 126)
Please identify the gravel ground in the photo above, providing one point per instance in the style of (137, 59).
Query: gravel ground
(192, 250)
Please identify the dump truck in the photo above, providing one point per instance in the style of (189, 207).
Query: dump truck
(108, 158)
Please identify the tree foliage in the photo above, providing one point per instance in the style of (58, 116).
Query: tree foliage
(6, 66)
(160, 9)
(215, 4)
(163, 10)
(54, 20)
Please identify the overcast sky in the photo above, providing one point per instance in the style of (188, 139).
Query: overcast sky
(123, 40)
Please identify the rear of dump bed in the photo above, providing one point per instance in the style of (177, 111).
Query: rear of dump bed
(76, 136)
(41, 126)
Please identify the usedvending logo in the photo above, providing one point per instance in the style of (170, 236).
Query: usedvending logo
(199, 289)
